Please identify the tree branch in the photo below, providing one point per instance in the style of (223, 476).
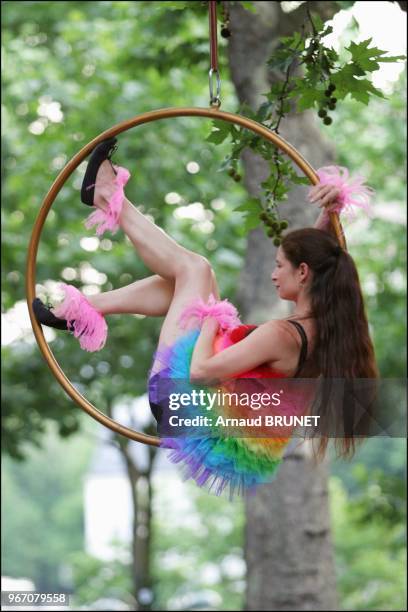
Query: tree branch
(293, 21)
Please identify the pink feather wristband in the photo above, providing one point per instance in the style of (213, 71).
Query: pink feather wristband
(353, 192)
(222, 310)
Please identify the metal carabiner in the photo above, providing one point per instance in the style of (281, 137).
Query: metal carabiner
(214, 100)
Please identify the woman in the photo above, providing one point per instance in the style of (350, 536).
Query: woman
(326, 335)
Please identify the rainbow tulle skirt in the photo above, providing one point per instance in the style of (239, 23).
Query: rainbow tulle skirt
(216, 461)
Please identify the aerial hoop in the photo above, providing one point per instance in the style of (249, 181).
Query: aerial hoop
(150, 116)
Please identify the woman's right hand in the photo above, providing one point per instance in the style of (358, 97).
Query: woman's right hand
(325, 196)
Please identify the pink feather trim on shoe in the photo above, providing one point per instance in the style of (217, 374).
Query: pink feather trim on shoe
(353, 192)
(194, 314)
(109, 219)
(89, 324)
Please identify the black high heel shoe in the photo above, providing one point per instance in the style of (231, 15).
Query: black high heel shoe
(104, 150)
(46, 317)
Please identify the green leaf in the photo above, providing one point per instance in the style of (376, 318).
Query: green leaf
(317, 22)
(327, 31)
(368, 58)
(332, 55)
(250, 209)
(281, 59)
(361, 90)
(220, 132)
(274, 91)
(300, 180)
(393, 58)
(343, 80)
(250, 223)
(216, 137)
(225, 164)
(263, 111)
(251, 205)
(235, 132)
(249, 6)
(293, 42)
(221, 125)
(307, 98)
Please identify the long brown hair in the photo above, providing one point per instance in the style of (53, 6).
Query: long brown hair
(343, 351)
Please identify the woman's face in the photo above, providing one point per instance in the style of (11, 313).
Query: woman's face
(286, 277)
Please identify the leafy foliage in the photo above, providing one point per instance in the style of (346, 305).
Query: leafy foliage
(44, 503)
(370, 541)
(97, 582)
(379, 244)
(325, 78)
(198, 550)
(94, 79)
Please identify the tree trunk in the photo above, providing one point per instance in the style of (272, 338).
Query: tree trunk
(288, 541)
(141, 492)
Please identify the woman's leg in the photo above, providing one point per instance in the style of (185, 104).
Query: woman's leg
(160, 253)
(149, 296)
(189, 274)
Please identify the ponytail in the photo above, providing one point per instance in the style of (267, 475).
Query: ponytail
(343, 347)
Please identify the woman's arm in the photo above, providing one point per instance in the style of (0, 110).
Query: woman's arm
(271, 341)
(203, 349)
(323, 223)
(326, 198)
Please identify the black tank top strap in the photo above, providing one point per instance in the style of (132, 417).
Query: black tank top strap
(303, 350)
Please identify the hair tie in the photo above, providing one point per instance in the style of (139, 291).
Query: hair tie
(338, 251)
(353, 192)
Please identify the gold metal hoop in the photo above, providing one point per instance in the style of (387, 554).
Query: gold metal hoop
(165, 113)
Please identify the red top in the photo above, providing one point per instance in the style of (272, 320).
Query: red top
(262, 371)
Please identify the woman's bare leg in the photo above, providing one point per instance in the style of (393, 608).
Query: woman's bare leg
(189, 273)
(160, 253)
(149, 296)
